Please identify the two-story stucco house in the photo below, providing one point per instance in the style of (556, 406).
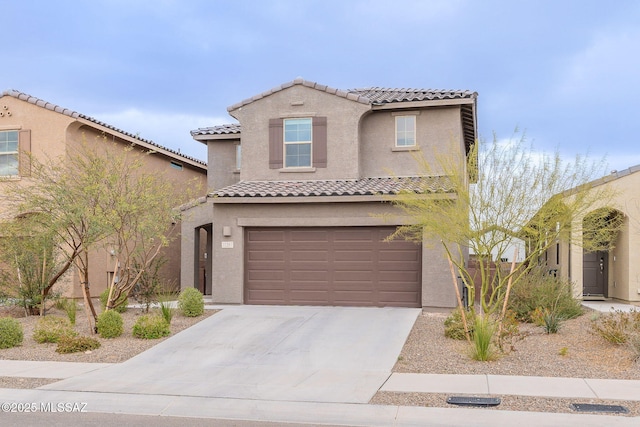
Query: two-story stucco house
(297, 188)
(31, 128)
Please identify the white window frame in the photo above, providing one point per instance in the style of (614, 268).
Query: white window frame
(238, 156)
(12, 153)
(404, 132)
(297, 142)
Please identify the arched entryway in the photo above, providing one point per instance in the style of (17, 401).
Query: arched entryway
(600, 229)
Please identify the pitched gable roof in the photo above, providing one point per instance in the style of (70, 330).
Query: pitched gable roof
(75, 115)
(370, 96)
(373, 96)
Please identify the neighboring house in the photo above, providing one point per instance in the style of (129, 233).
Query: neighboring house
(614, 274)
(31, 128)
(296, 187)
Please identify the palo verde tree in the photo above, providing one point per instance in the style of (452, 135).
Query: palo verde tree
(58, 211)
(503, 193)
(141, 216)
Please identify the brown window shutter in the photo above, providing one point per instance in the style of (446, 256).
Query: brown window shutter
(24, 147)
(275, 144)
(319, 142)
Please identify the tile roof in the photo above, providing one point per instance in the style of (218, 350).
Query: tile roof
(378, 96)
(354, 187)
(74, 114)
(228, 129)
(371, 96)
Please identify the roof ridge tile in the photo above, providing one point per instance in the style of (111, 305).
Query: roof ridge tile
(74, 114)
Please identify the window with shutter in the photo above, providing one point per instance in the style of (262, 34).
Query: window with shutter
(298, 143)
(9, 164)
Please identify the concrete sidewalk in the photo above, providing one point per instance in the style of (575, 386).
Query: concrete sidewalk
(579, 388)
(346, 414)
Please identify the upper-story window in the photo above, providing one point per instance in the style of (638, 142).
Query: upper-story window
(238, 156)
(405, 131)
(9, 153)
(297, 143)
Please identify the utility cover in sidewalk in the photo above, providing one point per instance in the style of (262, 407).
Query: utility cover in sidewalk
(589, 407)
(473, 401)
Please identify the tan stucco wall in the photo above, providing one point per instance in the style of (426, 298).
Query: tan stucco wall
(198, 215)
(343, 117)
(222, 163)
(624, 265)
(54, 135)
(228, 264)
(438, 136)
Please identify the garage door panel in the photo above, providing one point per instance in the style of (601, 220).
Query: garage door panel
(354, 255)
(264, 235)
(308, 276)
(309, 236)
(331, 266)
(265, 255)
(355, 235)
(310, 255)
(409, 254)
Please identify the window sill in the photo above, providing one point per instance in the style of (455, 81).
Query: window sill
(236, 171)
(297, 170)
(408, 148)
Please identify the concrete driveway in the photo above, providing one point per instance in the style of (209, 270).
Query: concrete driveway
(308, 354)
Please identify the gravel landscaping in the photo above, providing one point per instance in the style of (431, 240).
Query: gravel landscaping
(575, 351)
(112, 350)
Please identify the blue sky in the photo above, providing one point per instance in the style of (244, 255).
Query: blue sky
(565, 72)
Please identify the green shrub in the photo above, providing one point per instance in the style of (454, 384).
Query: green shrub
(482, 346)
(552, 322)
(454, 327)
(121, 303)
(540, 291)
(191, 302)
(617, 327)
(167, 311)
(109, 324)
(51, 328)
(150, 326)
(10, 332)
(69, 306)
(68, 344)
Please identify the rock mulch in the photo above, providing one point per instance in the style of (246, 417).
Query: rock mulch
(575, 351)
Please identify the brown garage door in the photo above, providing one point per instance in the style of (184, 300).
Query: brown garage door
(348, 266)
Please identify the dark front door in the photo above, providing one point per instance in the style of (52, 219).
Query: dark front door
(594, 278)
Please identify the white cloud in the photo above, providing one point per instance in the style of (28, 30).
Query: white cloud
(607, 67)
(164, 128)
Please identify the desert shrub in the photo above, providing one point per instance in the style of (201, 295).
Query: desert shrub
(617, 327)
(68, 344)
(10, 332)
(110, 324)
(167, 311)
(454, 327)
(539, 291)
(482, 346)
(120, 305)
(150, 326)
(69, 306)
(552, 322)
(191, 302)
(51, 328)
